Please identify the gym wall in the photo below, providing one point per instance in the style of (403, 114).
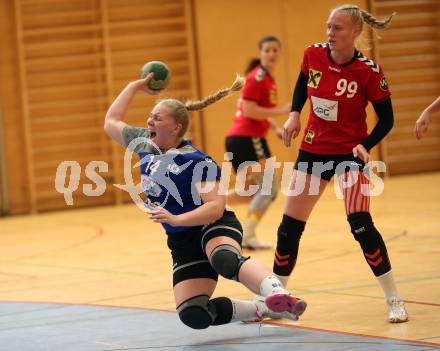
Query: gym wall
(62, 62)
(409, 52)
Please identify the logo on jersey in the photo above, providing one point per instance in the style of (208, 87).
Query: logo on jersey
(309, 136)
(173, 168)
(337, 70)
(149, 186)
(325, 109)
(383, 84)
(314, 78)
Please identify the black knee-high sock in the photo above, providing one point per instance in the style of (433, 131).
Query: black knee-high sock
(289, 235)
(371, 242)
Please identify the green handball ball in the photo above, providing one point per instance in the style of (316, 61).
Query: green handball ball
(161, 74)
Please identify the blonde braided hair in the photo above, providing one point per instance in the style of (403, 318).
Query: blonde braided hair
(198, 105)
(179, 110)
(359, 16)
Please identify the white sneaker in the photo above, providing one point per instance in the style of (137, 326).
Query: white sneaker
(252, 243)
(264, 312)
(396, 311)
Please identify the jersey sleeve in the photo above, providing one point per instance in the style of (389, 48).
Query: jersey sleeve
(384, 111)
(130, 134)
(252, 89)
(377, 87)
(305, 62)
(300, 93)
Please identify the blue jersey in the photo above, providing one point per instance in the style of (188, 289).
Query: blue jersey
(169, 178)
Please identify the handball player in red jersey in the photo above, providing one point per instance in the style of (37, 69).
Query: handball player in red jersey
(246, 138)
(339, 81)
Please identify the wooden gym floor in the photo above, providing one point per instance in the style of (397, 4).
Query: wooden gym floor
(115, 257)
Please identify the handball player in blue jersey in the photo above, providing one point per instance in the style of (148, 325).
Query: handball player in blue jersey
(182, 185)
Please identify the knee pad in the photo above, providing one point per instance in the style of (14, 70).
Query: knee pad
(227, 261)
(289, 232)
(371, 242)
(223, 310)
(195, 312)
(361, 223)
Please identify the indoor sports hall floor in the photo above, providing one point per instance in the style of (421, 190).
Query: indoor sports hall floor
(100, 279)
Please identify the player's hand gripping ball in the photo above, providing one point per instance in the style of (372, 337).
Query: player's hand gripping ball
(161, 76)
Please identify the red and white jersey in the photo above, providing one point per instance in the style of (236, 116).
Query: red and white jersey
(338, 96)
(261, 88)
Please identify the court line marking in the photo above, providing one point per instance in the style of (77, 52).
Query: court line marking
(416, 342)
(423, 303)
(337, 292)
(111, 344)
(261, 343)
(99, 233)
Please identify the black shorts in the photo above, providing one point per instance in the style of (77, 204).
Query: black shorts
(246, 149)
(325, 166)
(188, 247)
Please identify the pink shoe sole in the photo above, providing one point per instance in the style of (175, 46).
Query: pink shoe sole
(285, 303)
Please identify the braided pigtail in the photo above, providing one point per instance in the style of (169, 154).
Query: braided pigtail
(179, 110)
(200, 104)
(359, 16)
(373, 22)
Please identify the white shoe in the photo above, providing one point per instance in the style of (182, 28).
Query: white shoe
(264, 312)
(396, 311)
(252, 243)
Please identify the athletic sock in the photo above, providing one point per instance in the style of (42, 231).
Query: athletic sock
(243, 310)
(388, 285)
